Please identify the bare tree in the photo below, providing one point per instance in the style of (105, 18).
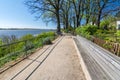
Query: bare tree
(65, 13)
(78, 6)
(89, 11)
(49, 7)
(106, 7)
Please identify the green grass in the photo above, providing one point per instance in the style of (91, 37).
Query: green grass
(25, 46)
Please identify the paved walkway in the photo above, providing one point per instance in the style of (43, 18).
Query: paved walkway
(59, 62)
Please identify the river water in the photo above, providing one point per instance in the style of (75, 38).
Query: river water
(19, 33)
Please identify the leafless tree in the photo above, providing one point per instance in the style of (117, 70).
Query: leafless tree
(46, 8)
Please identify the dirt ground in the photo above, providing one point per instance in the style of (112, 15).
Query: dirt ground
(62, 64)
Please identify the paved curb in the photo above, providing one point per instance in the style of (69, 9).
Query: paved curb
(83, 65)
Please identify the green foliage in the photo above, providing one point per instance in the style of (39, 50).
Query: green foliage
(107, 46)
(26, 37)
(88, 29)
(47, 40)
(99, 33)
(50, 33)
(91, 29)
(117, 36)
(69, 30)
(0, 41)
(5, 39)
(66, 30)
(117, 33)
(46, 34)
(106, 23)
(113, 28)
(8, 39)
(106, 35)
(109, 39)
(26, 43)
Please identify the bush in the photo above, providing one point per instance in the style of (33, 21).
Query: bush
(46, 34)
(28, 43)
(0, 41)
(26, 37)
(117, 33)
(47, 41)
(107, 46)
(89, 29)
(50, 33)
(104, 24)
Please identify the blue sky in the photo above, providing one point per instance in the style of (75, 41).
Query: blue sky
(14, 14)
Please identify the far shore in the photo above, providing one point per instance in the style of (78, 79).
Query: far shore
(24, 29)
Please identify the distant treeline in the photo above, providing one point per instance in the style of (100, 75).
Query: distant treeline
(24, 29)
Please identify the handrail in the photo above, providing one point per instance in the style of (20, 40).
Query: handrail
(11, 52)
(18, 42)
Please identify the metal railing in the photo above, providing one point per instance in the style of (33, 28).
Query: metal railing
(12, 51)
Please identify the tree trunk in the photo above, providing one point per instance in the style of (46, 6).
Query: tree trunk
(98, 19)
(87, 20)
(93, 22)
(58, 22)
(74, 22)
(80, 20)
(66, 21)
(58, 25)
(98, 22)
(78, 23)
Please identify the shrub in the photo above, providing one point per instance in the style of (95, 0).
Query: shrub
(29, 45)
(107, 46)
(104, 24)
(117, 33)
(6, 39)
(89, 29)
(0, 41)
(26, 37)
(47, 41)
(50, 33)
(46, 34)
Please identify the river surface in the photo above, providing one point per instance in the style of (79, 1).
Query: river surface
(19, 33)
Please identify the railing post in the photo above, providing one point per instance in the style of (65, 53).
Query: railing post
(42, 43)
(25, 48)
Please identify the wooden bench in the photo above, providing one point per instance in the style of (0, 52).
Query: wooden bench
(100, 64)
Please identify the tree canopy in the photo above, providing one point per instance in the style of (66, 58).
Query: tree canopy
(71, 12)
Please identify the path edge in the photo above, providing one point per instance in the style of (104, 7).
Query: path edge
(81, 60)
